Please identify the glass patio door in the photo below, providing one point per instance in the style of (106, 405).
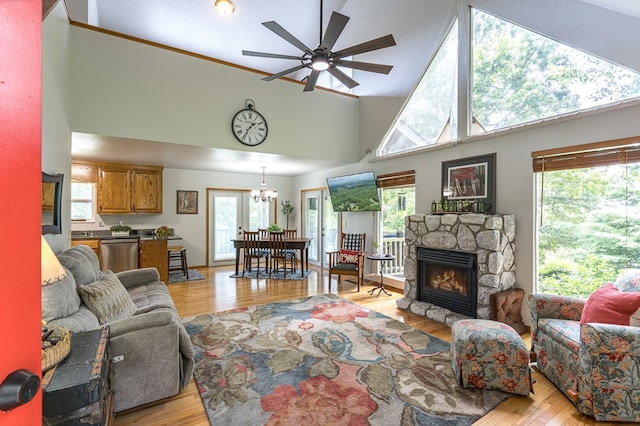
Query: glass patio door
(227, 224)
(321, 224)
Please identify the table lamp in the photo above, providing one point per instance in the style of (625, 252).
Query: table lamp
(51, 271)
(56, 341)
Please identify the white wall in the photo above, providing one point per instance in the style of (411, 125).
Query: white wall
(56, 106)
(143, 92)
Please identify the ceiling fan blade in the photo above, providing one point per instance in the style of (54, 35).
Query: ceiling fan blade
(311, 81)
(269, 55)
(283, 73)
(334, 29)
(276, 28)
(367, 46)
(364, 66)
(344, 79)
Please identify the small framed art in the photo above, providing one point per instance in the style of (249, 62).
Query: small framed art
(187, 202)
(471, 179)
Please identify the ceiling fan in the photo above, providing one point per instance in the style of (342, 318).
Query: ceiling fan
(322, 57)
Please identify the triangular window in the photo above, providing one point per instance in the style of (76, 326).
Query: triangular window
(428, 111)
(518, 76)
(521, 76)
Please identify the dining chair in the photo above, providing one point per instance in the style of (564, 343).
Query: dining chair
(264, 235)
(349, 260)
(290, 234)
(252, 250)
(279, 253)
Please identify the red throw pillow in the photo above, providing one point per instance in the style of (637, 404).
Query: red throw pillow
(350, 256)
(608, 305)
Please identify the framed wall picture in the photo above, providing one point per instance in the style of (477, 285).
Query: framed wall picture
(187, 202)
(472, 180)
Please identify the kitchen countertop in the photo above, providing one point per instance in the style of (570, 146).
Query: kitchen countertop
(106, 235)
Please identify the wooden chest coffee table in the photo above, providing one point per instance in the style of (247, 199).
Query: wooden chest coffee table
(78, 390)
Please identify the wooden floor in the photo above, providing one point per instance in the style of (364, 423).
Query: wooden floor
(218, 292)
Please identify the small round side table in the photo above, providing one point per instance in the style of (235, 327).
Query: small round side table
(382, 258)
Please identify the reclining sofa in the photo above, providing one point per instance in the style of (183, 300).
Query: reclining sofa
(151, 352)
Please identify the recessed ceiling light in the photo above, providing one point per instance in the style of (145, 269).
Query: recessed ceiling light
(225, 7)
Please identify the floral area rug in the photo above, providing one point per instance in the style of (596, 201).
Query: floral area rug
(323, 360)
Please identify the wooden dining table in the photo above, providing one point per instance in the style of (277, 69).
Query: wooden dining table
(301, 244)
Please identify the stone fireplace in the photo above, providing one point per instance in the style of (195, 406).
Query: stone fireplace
(455, 262)
(448, 279)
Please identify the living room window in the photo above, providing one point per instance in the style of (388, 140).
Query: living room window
(425, 118)
(83, 196)
(588, 215)
(517, 76)
(398, 200)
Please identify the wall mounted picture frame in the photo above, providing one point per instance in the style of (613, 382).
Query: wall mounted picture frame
(471, 179)
(187, 202)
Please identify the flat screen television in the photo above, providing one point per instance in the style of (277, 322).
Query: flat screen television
(354, 193)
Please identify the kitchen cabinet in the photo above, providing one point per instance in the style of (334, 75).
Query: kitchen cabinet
(94, 243)
(153, 253)
(124, 189)
(114, 190)
(146, 190)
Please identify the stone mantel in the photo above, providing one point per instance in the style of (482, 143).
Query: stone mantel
(491, 237)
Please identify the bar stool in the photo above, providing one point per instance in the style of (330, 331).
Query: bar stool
(178, 254)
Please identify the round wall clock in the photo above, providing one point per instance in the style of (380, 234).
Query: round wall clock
(249, 126)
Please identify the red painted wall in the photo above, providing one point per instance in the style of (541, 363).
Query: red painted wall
(20, 199)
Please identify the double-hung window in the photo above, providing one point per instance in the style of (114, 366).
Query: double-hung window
(83, 204)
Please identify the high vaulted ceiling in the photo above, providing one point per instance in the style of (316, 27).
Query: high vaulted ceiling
(195, 26)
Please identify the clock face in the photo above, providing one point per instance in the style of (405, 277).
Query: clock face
(249, 127)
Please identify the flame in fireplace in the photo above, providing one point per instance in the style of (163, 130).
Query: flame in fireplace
(449, 279)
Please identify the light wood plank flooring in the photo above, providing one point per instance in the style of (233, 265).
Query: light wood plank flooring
(218, 292)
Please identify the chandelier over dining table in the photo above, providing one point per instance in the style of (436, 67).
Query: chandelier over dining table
(262, 194)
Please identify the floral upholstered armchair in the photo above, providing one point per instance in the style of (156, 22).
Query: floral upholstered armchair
(595, 364)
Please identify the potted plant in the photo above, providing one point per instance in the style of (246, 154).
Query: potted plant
(274, 227)
(163, 231)
(120, 230)
(376, 247)
(287, 209)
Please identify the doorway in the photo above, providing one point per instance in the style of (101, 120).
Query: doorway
(320, 222)
(225, 217)
(229, 214)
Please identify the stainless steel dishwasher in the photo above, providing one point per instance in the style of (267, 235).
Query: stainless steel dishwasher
(119, 254)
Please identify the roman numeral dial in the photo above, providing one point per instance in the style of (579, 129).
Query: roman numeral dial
(249, 126)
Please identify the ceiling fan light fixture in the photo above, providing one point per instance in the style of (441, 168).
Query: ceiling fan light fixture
(323, 57)
(319, 63)
(225, 7)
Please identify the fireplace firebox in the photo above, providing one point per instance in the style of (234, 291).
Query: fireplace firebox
(447, 278)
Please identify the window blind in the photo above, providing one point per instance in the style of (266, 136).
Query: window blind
(606, 153)
(398, 179)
